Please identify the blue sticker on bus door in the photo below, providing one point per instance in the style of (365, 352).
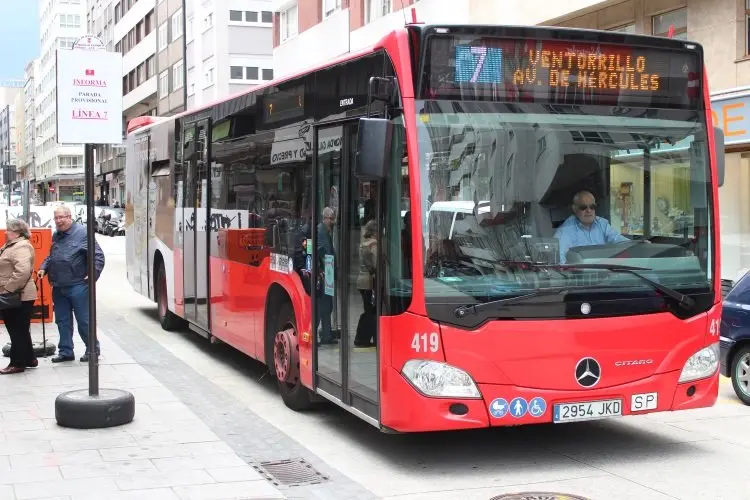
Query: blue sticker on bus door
(308, 263)
(328, 273)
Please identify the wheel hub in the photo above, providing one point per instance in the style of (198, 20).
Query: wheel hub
(286, 356)
(743, 373)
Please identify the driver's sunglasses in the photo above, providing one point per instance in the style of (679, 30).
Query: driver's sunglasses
(592, 206)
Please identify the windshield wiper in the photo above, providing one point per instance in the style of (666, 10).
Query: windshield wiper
(684, 301)
(462, 311)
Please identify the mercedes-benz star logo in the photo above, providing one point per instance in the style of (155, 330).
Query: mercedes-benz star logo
(588, 372)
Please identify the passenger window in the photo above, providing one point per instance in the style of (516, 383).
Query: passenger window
(670, 197)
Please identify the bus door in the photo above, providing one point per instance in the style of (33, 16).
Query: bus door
(346, 242)
(140, 237)
(195, 221)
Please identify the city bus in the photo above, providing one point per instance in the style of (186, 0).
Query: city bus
(458, 227)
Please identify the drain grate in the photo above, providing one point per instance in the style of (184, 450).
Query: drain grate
(290, 472)
(538, 495)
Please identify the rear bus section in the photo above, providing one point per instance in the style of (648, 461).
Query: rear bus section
(568, 232)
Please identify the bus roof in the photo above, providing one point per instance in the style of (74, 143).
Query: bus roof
(149, 121)
(143, 121)
(525, 31)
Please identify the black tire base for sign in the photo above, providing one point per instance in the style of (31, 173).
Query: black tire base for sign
(79, 410)
(40, 350)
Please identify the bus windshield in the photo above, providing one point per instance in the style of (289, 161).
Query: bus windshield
(506, 185)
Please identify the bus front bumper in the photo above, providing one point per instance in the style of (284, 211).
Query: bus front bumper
(404, 409)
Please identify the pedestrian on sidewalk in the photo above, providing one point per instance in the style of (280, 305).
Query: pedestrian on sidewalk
(67, 268)
(16, 268)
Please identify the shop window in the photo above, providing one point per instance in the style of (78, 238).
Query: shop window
(670, 185)
(734, 200)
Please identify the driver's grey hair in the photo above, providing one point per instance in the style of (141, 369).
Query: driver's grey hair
(328, 212)
(577, 197)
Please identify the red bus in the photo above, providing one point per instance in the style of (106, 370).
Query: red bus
(459, 227)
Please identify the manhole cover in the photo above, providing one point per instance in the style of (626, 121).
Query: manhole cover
(291, 472)
(538, 495)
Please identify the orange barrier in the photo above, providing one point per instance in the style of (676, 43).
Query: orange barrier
(41, 239)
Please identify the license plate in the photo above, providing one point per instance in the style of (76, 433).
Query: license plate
(589, 410)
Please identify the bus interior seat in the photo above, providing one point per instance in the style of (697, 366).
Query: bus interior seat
(578, 172)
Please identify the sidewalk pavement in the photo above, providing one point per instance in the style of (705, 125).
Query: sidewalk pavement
(166, 453)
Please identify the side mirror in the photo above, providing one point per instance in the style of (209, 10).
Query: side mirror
(374, 147)
(719, 151)
(381, 89)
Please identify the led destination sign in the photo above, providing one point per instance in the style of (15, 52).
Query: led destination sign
(470, 68)
(550, 68)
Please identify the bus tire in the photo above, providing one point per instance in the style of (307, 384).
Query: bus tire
(169, 321)
(295, 395)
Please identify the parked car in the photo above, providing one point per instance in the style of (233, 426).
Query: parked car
(735, 338)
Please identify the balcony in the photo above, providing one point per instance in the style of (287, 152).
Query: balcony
(143, 92)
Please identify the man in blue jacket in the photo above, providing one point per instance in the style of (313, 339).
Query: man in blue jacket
(67, 268)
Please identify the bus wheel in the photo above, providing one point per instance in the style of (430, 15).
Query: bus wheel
(168, 320)
(286, 361)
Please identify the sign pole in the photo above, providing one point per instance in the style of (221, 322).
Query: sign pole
(88, 166)
(89, 112)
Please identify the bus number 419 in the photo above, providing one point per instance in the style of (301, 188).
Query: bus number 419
(425, 343)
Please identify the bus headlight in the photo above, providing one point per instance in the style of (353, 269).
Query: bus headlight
(702, 364)
(436, 379)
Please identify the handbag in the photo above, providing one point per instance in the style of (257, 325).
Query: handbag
(10, 300)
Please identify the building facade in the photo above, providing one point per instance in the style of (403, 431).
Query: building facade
(128, 27)
(27, 135)
(8, 157)
(20, 120)
(317, 30)
(9, 93)
(229, 47)
(60, 172)
(170, 57)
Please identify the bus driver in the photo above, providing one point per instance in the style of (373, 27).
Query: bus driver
(584, 227)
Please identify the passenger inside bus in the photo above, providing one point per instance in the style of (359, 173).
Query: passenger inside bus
(366, 281)
(325, 301)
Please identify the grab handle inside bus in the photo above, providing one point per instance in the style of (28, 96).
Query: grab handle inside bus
(719, 149)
